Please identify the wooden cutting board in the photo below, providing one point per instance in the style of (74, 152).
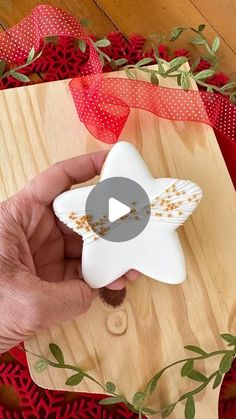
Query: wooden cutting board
(39, 126)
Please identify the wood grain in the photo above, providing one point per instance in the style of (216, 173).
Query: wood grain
(137, 16)
(129, 344)
(12, 11)
(147, 17)
(222, 17)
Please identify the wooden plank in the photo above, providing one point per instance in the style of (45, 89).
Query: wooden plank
(157, 319)
(12, 12)
(161, 16)
(146, 18)
(221, 16)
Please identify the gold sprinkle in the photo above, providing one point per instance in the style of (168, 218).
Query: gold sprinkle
(124, 217)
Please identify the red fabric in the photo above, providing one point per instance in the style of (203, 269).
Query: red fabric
(19, 354)
(104, 105)
(38, 403)
(227, 399)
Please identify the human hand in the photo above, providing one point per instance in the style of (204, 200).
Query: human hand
(40, 275)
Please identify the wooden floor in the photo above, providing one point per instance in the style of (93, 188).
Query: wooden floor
(145, 17)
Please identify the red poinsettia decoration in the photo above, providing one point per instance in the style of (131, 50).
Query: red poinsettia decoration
(219, 79)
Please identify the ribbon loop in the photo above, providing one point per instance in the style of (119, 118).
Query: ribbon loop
(103, 104)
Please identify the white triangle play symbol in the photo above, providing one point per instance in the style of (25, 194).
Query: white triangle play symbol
(116, 209)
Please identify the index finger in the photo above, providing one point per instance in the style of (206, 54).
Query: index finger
(62, 175)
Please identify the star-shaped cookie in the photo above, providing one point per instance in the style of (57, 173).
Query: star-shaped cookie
(156, 251)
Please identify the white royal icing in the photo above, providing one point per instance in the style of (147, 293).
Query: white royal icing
(156, 251)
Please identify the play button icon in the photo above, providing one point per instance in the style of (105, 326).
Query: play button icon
(117, 209)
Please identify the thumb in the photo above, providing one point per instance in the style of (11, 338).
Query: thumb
(60, 301)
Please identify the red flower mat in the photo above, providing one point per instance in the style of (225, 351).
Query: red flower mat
(35, 402)
(97, 99)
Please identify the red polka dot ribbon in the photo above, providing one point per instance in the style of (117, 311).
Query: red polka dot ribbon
(104, 104)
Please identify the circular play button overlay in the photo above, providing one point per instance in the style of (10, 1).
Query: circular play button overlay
(117, 209)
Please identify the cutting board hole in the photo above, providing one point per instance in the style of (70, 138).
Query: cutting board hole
(112, 298)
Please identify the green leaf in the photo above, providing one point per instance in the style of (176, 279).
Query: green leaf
(197, 41)
(189, 412)
(82, 45)
(111, 400)
(225, 363)
(196, 349)
(172, 69)
(176, 32)
(154, 79)
(57, 353)
(187, 367)
(20, 76)
(167, 410)
(121, 61)
(184, 80)
(178, 61)
(160, 67)
(176, 64)
(138, 397)
(216, 44)
(201, 27)
(144, 61)
(40, 365)
(75, 379)
(153, 382)
(232, 99)
(130, 74)
(195, 64)
(2, 67)
(30, 56)
(113, 64)
(197, 376)
(111, 388)
(179, 79)
(101, 43)
(53, 39)
(85, 22)
(231, 339)
(217, 380)
(204, 74)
